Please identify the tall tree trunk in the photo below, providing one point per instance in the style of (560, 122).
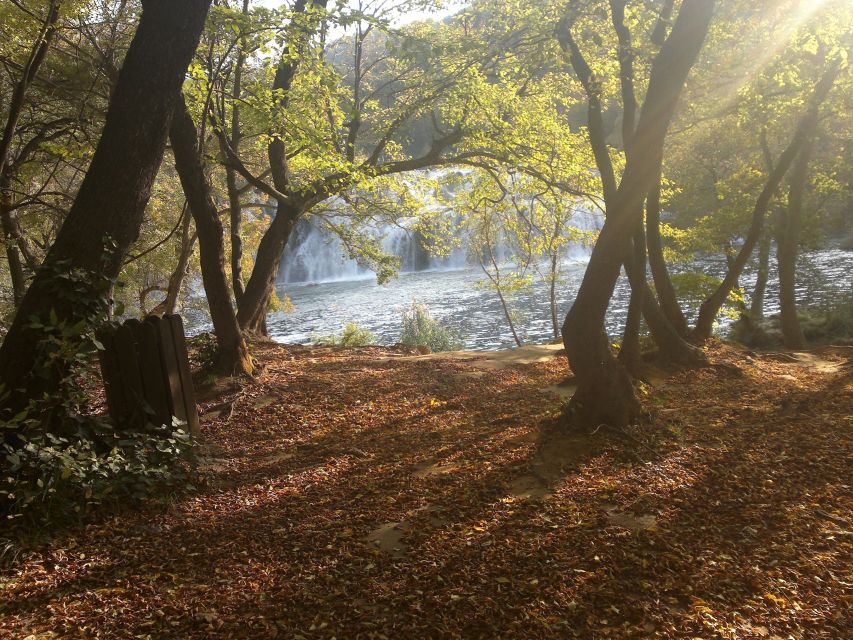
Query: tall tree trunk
(605, 393)
(234, 206)
(16, 265)
(509, 320)
(232, 354)
(38, 52)
(792, 332)
(252, 307)
(660, 274)
(107, 214)
(179, 273)
(756, 309)
(671, 346)
(711, 306)
(552, 293)
(629, 352)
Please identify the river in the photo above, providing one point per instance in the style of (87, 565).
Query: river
(454, 297)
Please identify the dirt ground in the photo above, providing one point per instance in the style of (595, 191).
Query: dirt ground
(361, 493)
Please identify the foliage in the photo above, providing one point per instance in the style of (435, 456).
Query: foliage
(57, 459)
(694, 286)
(48, 479)
(352, 335)
(829, 322)
(339, 475)
(420, 329)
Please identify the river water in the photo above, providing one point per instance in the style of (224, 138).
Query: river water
(454, 297)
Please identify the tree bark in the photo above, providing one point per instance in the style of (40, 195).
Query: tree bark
(666, 337)
(711, 306)
(252, 307)
(792, 332)
(16, 265)
(179, 273)
(252, 304)
(605, 393)
(552, 293)
(660, 274)
(38, 52)
(107, 213)
(232, 354)
(756, 309)
(234, 207)
(629, 351)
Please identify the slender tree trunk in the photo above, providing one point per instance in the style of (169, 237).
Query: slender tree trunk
(232, 356)
(629, 352)
(711, 306)
(16, 265)
(234, 205)
(107, 214)
(508, 317)
(179, 273)
(11, 232)
(552, 294)
(660, 274)
(672, 347)
(252, 307)
(605, 393)
(756, 310)
(792, 332)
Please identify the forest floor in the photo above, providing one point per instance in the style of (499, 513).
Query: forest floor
(361, 493)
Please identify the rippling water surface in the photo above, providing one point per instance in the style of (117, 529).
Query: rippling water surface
(455, 298)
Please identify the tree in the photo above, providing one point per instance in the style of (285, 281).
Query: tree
(11, 231)
(232, 353)
(643, 302)
(107, 212)
(605, 393)
(711, 306)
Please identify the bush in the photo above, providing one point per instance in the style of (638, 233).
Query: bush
(830, 322)
(352, 336)
(57, 461)
(420, 329)
(49, 478)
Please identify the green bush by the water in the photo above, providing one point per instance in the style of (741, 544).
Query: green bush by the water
(353, 335)
(420, 329)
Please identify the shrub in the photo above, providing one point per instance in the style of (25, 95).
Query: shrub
(58, 461)
(352, 336)
(49, 478)
(420, 329)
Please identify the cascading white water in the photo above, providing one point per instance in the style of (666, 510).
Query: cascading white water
(314, 254)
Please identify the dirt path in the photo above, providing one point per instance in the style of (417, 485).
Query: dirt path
(360, 494)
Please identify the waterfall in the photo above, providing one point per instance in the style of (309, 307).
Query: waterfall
(314, 254)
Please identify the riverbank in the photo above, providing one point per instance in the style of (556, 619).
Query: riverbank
(370, 493)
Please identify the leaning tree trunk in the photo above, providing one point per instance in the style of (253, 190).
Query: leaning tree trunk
(792, 332)
(605, 393)
(252, 306)
(234, 206)
(107, 214)
(660, 274)
(671, 344)
(711, 306)
(232, 353)
(179, 273)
